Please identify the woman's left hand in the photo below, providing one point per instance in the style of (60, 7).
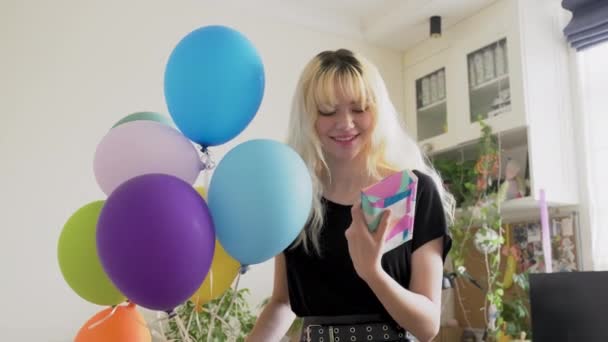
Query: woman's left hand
(365, 247)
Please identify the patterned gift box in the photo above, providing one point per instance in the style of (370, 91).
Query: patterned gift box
(396, 192)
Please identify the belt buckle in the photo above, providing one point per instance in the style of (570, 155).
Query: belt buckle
(308, 338)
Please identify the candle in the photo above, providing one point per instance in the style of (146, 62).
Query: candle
(546, 237)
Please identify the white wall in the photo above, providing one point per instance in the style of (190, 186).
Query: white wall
(68, 70)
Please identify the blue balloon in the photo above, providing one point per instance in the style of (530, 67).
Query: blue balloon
(260, 197)
(214, 84)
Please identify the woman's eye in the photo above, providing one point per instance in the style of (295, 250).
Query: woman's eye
(358, 110)
(326, 113)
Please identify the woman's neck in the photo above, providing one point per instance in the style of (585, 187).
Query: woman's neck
(346, 181)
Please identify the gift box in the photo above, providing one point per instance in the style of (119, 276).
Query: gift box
(397, 193)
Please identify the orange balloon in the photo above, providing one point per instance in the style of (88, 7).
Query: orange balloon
(126, 324)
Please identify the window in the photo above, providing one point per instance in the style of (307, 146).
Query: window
(593, 129)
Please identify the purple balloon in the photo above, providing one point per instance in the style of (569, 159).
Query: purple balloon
(155, 240)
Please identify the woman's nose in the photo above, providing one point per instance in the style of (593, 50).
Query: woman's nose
(344, 119)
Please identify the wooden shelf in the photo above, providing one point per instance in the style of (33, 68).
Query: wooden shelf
(510, 138)
(526, 208)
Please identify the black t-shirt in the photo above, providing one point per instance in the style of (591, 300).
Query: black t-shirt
(328, 285)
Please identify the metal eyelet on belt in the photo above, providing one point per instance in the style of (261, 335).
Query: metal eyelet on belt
(369, 329)
(353, 338)
(352, 329)
(369, 337)
(386, 336)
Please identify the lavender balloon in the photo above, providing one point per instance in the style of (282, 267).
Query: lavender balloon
(155, 240)
(141, 147)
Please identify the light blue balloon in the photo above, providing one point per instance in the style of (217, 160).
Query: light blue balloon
(214, 84)
(260, 197)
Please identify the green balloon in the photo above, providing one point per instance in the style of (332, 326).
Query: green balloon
(150, 116)
(78, 260)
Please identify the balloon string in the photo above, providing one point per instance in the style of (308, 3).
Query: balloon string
(182, 329)
(154, 332)
(160, 320)
(242, 270)
(211, 284)
(206, 179)
(198, 321)
(214, 313)
(207, 162)
(148, 325)
(190, 319)
(101, 321)
(140, 322)
(214, 316)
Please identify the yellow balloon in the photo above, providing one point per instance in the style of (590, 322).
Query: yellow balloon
(201, 191)
(223, 270)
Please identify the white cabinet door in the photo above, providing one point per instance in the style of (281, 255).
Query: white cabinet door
(429, 103)
(489, 70)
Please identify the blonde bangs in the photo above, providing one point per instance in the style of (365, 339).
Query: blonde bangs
(324, 89)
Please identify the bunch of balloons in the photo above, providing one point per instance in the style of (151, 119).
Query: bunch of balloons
(157, 240)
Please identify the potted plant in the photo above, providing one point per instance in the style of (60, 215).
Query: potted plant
(478, 223)
(227, 318)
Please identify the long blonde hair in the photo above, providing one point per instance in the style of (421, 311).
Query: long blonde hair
(390, 147)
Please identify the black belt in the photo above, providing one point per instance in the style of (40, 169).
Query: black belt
(351, 328)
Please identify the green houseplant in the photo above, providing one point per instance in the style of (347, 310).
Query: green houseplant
(474, 183)
(227, 318)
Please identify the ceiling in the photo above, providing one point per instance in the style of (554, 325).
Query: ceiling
(396, 24)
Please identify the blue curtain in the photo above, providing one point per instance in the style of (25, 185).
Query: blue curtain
(589, 23)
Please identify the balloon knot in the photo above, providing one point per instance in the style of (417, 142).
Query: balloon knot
(244, 269)
(171, 313)
(207, 162)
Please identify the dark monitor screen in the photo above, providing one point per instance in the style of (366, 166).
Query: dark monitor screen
(569, 306)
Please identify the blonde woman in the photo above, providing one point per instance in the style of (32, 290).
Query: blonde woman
(334, 275)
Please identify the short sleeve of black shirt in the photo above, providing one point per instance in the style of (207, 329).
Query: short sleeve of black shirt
(429, 220)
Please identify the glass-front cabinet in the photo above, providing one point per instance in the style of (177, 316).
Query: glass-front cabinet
(504, 66)
(431, 105)
(489, 88)
(429, 102)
